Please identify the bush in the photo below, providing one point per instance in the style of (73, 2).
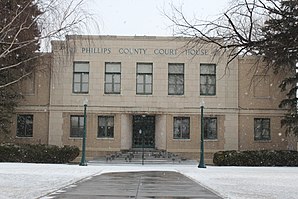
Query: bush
(37, 153)
(256, 158)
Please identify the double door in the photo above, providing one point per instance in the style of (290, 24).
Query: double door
(143, 131)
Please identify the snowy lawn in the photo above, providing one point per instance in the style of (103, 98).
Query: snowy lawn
(36, 180)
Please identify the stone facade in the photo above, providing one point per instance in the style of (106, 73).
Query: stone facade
(241, 97)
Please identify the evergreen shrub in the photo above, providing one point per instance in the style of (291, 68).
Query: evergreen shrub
(256, 158)
(37, 153)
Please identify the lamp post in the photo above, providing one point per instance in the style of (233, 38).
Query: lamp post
(83, 159)
(142, 134)
(202, 162)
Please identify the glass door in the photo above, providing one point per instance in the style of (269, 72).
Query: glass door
(143, 131)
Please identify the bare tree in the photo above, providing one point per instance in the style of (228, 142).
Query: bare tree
(26, 29)
(53, 19)
(254, 27)
(238, 30)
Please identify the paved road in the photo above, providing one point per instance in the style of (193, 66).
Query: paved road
(140, 185)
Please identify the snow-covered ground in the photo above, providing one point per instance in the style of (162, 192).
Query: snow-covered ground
(19, 180)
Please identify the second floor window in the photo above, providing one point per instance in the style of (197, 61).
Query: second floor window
(112, 78)
(81, 77)
(144, 78)
(208, 79)
(176, 79)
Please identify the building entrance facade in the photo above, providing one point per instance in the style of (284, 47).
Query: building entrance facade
(149, 95)
(143, 131)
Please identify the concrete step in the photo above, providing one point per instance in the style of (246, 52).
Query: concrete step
(139, 161)
(134, 156)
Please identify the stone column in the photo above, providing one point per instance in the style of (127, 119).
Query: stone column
(160, 132)
(126, 131)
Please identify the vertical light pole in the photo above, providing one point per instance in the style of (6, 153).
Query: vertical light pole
(83, 159)
(142, 134)
(202, 162)
(143, 140)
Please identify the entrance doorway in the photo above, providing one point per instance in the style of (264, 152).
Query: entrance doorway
(143, 131)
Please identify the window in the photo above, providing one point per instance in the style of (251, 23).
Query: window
(81, 77)
(144, 78)
(25, 126)
(210, 128)
(76, 126)
(113, 78)
(181, 127)
(262, 129)
(176, 79)
(105, 127)
(207, 79)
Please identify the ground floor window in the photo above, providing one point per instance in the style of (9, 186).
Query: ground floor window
(25, 126)
(105, 127)
(262, 129)
(181, 128)
(76, 126)
(210, 128)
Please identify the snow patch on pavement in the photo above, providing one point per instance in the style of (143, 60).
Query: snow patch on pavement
(20, 180)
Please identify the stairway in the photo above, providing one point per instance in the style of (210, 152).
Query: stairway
(135, 156)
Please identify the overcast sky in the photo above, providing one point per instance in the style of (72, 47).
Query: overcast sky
(144, 17)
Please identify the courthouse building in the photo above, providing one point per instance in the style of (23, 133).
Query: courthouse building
(153, 85)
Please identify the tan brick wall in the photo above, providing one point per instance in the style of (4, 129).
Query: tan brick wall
(258, 89)
(36, 91)
(160, 100)
(259, 97)
(242, 94)
(40, 129)
(278, 139)
(39, 90)
(192, 145)
(92, 142)
(159, 103)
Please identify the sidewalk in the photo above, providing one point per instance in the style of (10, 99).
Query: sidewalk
(140, 185)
